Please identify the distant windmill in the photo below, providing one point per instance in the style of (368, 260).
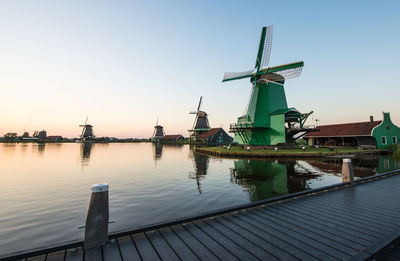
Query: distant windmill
(87, 131)
(158, 133)
(200, 123)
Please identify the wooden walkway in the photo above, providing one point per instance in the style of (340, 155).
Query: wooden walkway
(342, 223)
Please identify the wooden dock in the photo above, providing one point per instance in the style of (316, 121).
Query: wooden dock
(341, 222)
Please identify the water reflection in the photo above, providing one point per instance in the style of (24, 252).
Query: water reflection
(157, 151)
(200, 168)
(86, 148)
(41, 147)
(261, 179)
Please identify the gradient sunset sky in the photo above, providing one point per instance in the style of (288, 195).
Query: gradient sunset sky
(125, 63)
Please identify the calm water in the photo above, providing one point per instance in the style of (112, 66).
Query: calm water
(46, 188)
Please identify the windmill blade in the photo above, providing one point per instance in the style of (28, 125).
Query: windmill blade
(229, 76)
(287, 71)
(86, 120)
(198, 107)
(83, 131)
(193, 112)
(264, 48)
(157, 122)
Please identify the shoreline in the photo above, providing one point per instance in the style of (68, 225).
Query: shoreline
(297, 153)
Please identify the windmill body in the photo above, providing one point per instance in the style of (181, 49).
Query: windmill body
(268, 120)
(87, 131)
(158, 133)
(200, 124)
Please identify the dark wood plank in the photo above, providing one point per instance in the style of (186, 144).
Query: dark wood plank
(315, 240)
(362, 217)
(288, 237)
(176, 243)
(271, 245)
(328, 219)
(306, 230)
(144, 247)
(366, 212)
(111, 251)
(193, 243)
(210, 243)
(351, 238)
(93, 254)
(294, 247)
(56, 256)
(128, 249)
(235, 248)
(161, 246)
(74, 254)
(346, 245)
(241, 241)
(340, 218)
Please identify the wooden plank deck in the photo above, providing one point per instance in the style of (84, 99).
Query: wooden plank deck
(342, 223)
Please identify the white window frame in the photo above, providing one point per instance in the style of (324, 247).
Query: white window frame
(384, 143)
(394, 139)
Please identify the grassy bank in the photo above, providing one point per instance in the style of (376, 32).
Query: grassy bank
(237, 151)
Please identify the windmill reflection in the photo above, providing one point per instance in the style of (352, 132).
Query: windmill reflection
(261, 179)
(200, 167)
(86, 148)
(157, 151)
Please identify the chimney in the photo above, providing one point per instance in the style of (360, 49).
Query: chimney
(371, 119)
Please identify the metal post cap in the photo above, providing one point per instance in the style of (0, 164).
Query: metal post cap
(346, 160)
(100, 187)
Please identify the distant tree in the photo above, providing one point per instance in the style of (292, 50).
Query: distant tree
(35, 134)
(25, 135)
(10, 135)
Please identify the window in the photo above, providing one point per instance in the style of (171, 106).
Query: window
(394, 139)
(383, 138)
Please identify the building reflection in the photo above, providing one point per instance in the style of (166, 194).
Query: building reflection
(41, 147)
(159, 148)
(363, 166)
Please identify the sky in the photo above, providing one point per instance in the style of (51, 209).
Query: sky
(126, 63)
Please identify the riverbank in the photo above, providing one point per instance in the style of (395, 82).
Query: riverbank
(237, 151)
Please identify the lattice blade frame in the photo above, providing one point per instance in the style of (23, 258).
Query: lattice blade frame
(291, 73)
(264, 48)
(229, 76)
(287, 71)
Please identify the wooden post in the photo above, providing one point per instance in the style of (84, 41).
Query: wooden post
(347, 172)
(96, 229)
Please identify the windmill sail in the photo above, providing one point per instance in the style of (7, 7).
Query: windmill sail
(198, 107)
(229, 76)
(264, 49)
(287, 71)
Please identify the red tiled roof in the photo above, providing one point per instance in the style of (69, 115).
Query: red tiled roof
(344, 129)
(209, 133)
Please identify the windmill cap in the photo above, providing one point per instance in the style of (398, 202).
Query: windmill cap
(100, 187)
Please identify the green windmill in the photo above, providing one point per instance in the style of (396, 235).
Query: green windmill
(267, 119)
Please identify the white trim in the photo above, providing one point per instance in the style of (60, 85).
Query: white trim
(383, 119)
(384, 143)
(100, 187)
